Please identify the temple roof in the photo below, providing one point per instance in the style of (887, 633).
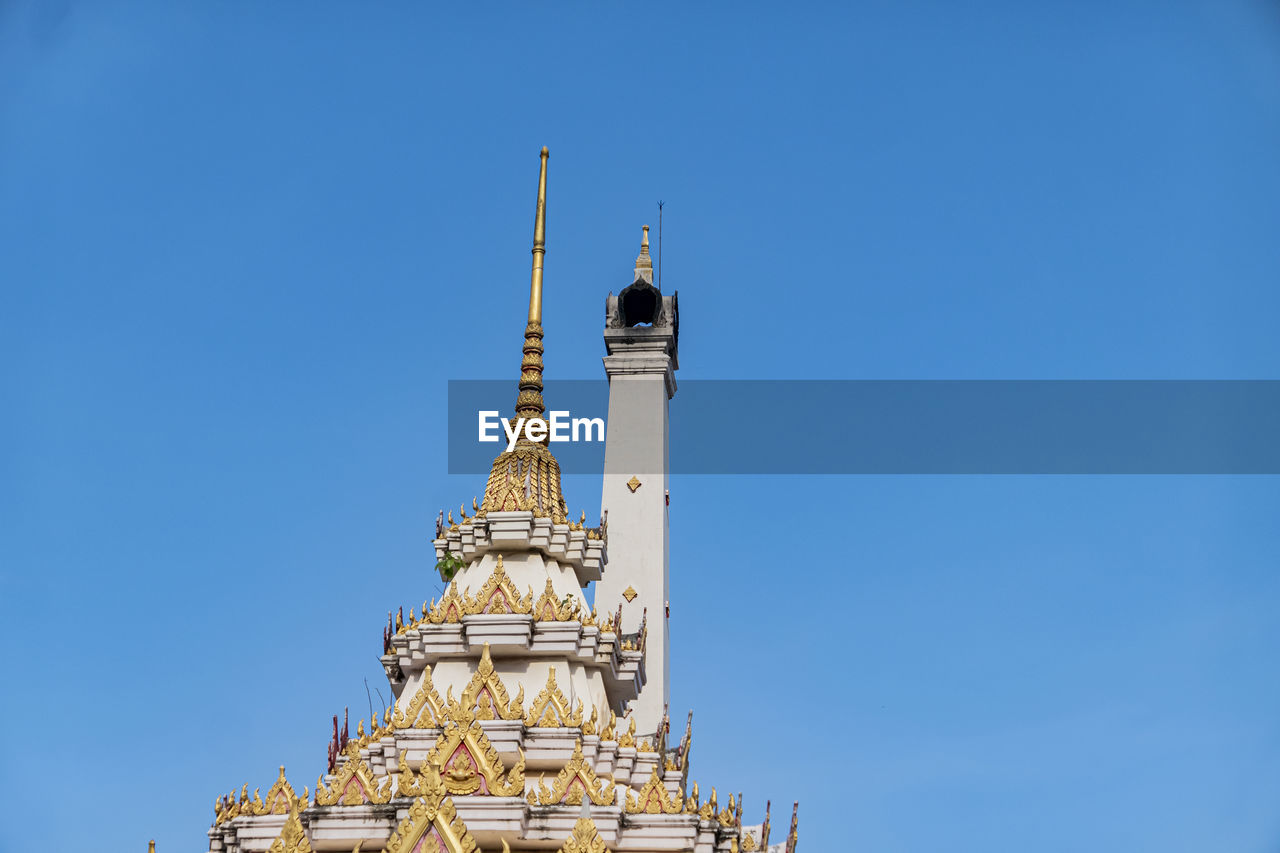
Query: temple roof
(470, 760)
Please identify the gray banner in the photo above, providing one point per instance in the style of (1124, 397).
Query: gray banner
(916, 427)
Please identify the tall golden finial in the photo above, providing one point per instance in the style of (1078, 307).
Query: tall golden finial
(527, 478)
(529, 400)
(539, 243)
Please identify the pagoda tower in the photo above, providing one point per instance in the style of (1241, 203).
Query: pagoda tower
(522, 720)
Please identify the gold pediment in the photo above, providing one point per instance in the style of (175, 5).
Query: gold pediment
(485, 697)
(550, 608)
(280, 799)
(499, 595)
(577, 780)
(425, 710)
(353, 784)
(551, 707)
(438, 820)
(468, 764)
(653, 798)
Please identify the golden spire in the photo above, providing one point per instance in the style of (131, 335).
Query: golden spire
(527, 478)
(539, 243)
(529, 400)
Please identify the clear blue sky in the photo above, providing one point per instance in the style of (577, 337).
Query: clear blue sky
(243, 246)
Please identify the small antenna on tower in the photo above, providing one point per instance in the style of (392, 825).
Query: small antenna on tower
(660, 203)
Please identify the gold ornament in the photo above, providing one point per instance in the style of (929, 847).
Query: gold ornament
(280, 798)
(585, 839)
(653, 798)
(575, 781)
(610, 731)
(630, 593)
(425, 709)
(708, 810)
(499, 595)
(471, 764)
(485, 695)
(292, 837)
(450, 608)
(550, 608)
(551, 708)
(628, 737)
(353, 784)
(691, 802)
(633, 484)
(437, 818)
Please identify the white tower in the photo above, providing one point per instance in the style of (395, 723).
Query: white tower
(640, 336)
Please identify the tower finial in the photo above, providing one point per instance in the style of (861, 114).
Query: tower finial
(644, 262)
(529, 399)
(527, 477)
(539, 243)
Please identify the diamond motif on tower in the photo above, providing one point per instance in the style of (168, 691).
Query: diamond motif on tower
(630, 593)
(633, 484)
